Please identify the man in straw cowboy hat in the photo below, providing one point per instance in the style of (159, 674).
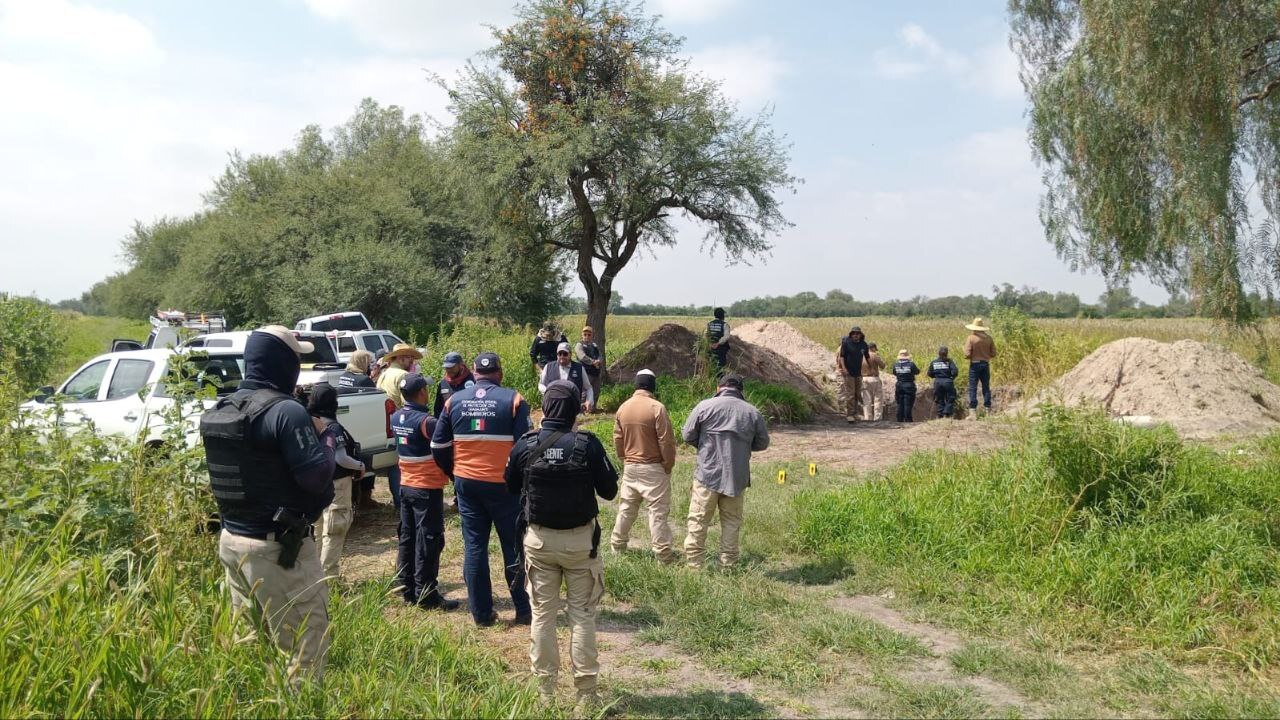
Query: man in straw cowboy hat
(904, 391)
(398, 362)
(979, 350)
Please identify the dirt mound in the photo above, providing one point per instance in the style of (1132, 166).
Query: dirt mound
(1201, 390)
(673, 350)
(792, 344)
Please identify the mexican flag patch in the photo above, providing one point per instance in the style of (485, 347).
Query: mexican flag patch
(477, 424)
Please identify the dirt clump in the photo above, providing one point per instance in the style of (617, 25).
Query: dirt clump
(784, 339)
(674, 350)
(1202, 390)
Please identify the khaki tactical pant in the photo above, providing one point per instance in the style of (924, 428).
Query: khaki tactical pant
(333, 527)
(872, 398)
(291, 603)
(651, 485)
(555, 558)
(851, 392)
(702, 508)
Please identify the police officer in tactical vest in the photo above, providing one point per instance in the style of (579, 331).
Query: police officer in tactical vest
(559, 472)
(271, 471)
(718, 340)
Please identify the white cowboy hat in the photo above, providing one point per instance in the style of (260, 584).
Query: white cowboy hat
(977, 326)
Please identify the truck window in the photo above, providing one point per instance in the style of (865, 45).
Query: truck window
(391, 341)
(222, 372)
(346, 344)
(85, 385)
(352, 322)
(323, 352)
(371, 343)
(130, 377)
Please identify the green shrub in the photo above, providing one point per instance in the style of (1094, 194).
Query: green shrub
(1108, 468)
(31, 340)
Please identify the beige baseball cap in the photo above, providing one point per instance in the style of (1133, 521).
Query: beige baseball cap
(285, 335)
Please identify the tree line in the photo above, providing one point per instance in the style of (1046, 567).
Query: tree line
(1117, 302)
(367, 216)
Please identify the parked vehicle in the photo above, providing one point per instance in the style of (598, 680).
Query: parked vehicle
(127, 394)
(170, 328)
(322, 358)
(351, 320)
(348, 341)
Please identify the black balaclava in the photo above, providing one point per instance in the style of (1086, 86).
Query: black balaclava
(324, 401)
(719, 313)
(730, 384)
(269, 364)
(561, 402)
(645, 381)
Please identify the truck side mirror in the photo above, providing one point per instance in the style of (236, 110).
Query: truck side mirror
(43, 394)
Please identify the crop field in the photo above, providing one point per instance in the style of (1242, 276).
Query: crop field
(1064, 566)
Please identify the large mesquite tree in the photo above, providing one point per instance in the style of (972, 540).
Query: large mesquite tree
(586, 133)
(1147, 116)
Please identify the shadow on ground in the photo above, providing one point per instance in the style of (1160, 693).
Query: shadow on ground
(817, 572)
(694, 704)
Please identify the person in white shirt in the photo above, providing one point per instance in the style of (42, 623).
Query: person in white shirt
(566, 368)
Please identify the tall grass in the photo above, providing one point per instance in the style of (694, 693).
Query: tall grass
(1087, 530)
(88, 336)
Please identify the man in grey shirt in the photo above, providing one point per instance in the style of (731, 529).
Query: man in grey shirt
(726, 429)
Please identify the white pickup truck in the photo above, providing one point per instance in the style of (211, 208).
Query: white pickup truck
(124, 394)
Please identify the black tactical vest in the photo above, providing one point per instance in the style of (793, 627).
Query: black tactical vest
(249, 481)
(559, 492)
(715, 330)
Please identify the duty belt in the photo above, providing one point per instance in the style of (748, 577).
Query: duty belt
(272, 536)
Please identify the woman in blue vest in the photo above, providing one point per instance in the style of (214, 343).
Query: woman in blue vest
(421, 498)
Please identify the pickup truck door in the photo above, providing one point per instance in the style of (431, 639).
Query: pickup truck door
(122, 409)
(106, 393)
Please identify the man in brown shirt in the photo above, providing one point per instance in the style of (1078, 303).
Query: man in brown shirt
(979, 350)
(644, 441)
(872, 387)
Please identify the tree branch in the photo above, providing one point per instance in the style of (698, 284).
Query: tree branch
(1262, 94)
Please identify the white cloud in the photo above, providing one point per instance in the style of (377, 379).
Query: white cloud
(749, 72)
(991, 69)
(75, 30)
(689, 11)
(434, 27)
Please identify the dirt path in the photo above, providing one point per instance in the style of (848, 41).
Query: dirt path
(878, 445)
(937, 668)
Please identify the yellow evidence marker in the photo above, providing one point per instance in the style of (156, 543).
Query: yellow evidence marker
(813, 469)
(782, 476)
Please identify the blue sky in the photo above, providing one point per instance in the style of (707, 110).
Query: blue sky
(906, 123)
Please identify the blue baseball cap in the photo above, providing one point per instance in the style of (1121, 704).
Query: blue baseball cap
(452, 359)
(413, 383)
(487, 362)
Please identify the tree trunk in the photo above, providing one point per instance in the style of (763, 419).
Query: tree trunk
(598, 296)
